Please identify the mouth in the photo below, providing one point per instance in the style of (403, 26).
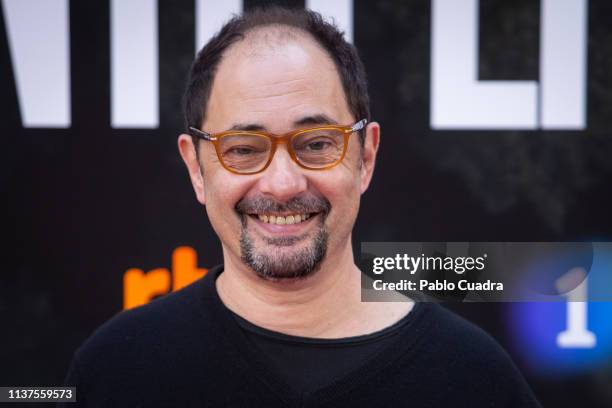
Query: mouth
(283, 224)
(298, 216)
(283, 219)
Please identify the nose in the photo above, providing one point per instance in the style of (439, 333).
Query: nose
(283, 179)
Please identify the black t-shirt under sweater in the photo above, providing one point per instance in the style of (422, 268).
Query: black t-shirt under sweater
(187, 349)
(308, 364)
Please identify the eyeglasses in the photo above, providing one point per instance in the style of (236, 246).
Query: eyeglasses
(251, 152)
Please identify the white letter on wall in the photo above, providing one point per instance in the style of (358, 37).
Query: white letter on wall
(210, 17)
(38, 34)
(563, 66)
(458, 99)
(340, 10)
(134, 64)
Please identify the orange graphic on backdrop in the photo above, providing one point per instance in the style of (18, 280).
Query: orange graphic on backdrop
(140, 287)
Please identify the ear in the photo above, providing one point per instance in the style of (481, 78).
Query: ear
(370, 148)
(187, 149)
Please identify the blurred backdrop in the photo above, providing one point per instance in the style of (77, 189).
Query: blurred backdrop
(496, 126)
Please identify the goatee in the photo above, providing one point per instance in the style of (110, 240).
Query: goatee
(278, 261)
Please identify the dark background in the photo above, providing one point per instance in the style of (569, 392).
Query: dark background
(84, 204)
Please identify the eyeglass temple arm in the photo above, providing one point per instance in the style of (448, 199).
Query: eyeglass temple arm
(200, 134)
(359, 125)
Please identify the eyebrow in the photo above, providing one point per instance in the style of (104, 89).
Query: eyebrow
(319, 119)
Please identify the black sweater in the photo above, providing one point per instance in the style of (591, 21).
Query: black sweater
(186, 349)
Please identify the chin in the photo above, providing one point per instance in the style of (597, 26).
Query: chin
(285, 258)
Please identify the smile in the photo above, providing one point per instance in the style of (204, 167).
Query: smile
(283, 219)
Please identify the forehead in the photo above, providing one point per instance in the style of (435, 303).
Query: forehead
(272, 77)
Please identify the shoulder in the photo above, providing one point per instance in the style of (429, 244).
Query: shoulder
(451, 336)
(162, 316)
(468, 359)
(148, 335)
(148, 351)
(140, 352)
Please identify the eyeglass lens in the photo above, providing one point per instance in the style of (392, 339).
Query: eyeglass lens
(314, 149)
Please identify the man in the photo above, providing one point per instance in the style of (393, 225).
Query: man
(279, 149)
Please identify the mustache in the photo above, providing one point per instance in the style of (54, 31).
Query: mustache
(306, 203)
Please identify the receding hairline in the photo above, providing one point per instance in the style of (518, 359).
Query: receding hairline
(273, 35)
(277, 25)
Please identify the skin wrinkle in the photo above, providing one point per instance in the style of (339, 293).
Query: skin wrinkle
(287, 81)
(314, 120)
(279, 82)
(297, 108)
(278, 95)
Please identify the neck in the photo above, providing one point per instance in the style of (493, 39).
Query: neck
(324, 305)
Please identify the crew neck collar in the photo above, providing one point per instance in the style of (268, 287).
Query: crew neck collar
(411, 333)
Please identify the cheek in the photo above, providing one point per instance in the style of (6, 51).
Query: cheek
(341, 186)
(222, 192)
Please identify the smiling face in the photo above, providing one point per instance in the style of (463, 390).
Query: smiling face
(285, 221)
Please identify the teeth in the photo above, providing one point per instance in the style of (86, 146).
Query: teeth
(280, 220)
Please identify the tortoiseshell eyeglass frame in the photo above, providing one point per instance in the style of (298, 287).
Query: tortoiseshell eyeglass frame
(275, 140)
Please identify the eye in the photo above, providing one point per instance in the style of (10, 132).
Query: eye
(318, 142)
(318, 145)
(241, 150)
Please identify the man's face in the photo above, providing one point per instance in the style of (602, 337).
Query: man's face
(277, 83)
